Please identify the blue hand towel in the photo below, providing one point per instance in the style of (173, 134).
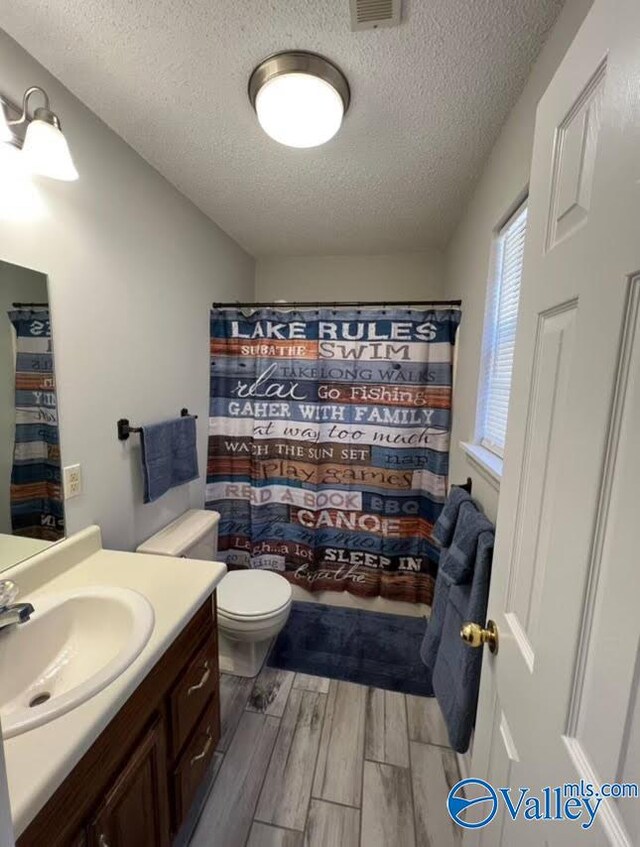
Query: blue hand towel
(458, 561)
(461, 594)
(169, 456)
(446, 523)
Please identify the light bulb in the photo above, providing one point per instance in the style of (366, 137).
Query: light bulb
(47, 153)
(299, 109)
(5, 132)
(19, 198)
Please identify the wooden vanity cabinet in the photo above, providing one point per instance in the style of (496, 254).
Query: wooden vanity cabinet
(133, 811)
(136, 783)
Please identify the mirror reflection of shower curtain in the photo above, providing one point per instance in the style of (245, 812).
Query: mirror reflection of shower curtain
(329, 444)
(37, 509)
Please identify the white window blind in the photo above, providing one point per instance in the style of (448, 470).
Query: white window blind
(500, 332)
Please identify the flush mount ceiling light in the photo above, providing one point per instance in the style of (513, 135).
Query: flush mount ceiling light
(44, 147)
(300, 98)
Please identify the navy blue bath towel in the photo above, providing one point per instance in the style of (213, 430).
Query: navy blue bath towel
(461, 594)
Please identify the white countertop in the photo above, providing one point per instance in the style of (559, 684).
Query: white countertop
(16, 548)
(39, 760)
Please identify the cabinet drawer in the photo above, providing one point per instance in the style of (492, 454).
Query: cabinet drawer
(195, 760)
(197, 684)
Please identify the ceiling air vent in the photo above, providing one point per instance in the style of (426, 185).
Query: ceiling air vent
(371, 14)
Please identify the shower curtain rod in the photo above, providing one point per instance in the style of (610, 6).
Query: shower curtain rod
(30, 305)
(301, 304)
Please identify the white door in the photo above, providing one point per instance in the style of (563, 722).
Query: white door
(559, 701)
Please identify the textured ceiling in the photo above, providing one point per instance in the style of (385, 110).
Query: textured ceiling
(429, 98)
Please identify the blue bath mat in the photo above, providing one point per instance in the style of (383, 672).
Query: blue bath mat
(370, 648)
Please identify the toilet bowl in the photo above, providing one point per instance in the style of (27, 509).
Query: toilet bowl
(253, 605)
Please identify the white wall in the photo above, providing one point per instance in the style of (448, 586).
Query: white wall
(133, 267)
(398, 276)
(503, 181)
(16, 284)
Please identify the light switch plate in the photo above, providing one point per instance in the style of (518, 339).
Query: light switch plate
(72, 481)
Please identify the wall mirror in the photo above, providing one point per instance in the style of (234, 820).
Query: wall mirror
(31, 496)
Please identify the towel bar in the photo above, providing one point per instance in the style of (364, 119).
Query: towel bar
(466, 485)
(125, 429)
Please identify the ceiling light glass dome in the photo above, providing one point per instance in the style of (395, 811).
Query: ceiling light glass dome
(300, 98)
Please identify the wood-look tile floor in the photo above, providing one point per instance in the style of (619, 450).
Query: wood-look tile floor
(306, 761)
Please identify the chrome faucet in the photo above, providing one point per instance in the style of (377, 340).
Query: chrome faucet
(10, 611)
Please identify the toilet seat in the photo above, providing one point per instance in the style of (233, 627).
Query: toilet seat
(252, 596)
(229, 616)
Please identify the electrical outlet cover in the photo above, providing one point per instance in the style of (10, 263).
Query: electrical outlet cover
(72, 481)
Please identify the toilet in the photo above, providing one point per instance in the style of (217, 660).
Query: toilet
(253, 605)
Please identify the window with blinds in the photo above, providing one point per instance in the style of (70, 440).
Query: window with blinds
(500, 332)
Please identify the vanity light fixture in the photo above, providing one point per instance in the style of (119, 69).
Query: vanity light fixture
(44, 147)
(5, 132)
(20, 200)
(300, 98)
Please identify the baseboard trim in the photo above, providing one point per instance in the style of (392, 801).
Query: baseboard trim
(464, 765)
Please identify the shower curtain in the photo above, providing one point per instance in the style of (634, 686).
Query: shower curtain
(36, 489)
(329, 444)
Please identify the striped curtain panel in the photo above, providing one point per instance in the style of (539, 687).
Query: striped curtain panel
(329, 444)
(36, 488)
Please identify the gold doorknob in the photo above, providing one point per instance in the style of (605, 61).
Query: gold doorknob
(475, 635)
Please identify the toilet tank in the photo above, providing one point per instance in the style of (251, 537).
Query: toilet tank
(193, 535)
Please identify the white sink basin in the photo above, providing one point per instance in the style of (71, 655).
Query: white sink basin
(74, 645)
